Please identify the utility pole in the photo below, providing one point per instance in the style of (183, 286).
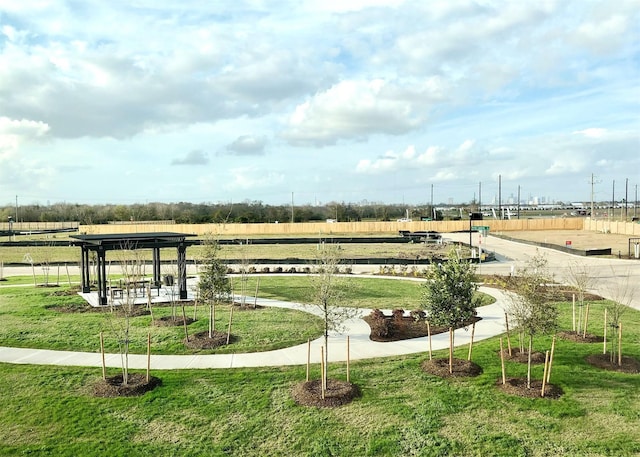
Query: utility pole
(500, 197)
(433, 211)
(613, 202)
(292, 220)
(626, 198)
(16, 208)
(480, 196)
(518, 201)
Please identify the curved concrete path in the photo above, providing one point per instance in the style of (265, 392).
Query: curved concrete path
(361, 347)
(612, 275)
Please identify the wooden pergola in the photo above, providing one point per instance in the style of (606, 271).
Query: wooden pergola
(155, 241)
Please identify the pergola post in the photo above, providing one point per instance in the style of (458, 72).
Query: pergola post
(182, 270)
(85, 267)
(156, 267)
(102, 276)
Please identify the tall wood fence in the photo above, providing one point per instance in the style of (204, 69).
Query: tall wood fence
(336, 228)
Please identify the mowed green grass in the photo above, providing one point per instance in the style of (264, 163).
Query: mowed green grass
(31, 317)
(402, 411)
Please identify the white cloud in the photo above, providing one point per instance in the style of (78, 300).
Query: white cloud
(356, 109)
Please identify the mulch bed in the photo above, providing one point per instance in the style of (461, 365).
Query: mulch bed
(338, 393)
(523, 356)
(461, 368)
(137, 385)
(518, 386)
(629, 364)
(246, 306)
(577, 337)
(408, 328)
(201, 340)
(170, 321)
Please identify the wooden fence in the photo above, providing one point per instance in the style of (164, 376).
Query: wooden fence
(336, 228)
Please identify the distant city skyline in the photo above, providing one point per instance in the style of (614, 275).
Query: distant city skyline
(379, 100)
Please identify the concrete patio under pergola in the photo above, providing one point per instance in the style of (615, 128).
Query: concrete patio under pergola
(101, 244)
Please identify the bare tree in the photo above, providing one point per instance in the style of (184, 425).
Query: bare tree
(533, 305)
(622, 293)
(214, 285)
(120, 315)
(580, 278)
(328, 292)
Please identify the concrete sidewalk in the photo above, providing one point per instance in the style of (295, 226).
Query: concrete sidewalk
(361, 347)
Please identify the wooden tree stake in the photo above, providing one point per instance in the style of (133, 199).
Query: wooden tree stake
(573, 309)
(148, 356)
(255, 299)
(473, 331)
(506, 321)
(322, 372)
(604, 344)
(586, 321)
(348, 359)
(229, 329)
(553, 350)
(104, 366)
(184, 324)
(544, 376)
(504, 374)
(429, 336)
(450, 349)
(308, 357)
(620, 344)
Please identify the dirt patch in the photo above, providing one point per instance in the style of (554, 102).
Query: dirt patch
(629, 364)
(202, 340)
(171, 321)
(113, 387)
(460, 368)
(523, 356)
(578, 338)
(338, 393)
(580, 239)
(518, 386)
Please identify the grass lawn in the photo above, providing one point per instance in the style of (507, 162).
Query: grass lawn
(30, 317)
(402, 411)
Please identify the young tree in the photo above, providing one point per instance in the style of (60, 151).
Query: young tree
(120, 316)
(328, 291)
(214, 285)
(622, 293)
(448, 294)
(533, 305)
(580, 278)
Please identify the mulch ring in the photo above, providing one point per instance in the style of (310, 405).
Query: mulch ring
(246, 306)
(338, 393)
(113, 387)
(201, 340)
(461, 368)
(523, 356)
(408, 328)
(577, 337)
(171, 321)
(518, 386)
(629, 364)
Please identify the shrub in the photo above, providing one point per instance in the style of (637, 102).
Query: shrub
(266, 270)
(381, 326)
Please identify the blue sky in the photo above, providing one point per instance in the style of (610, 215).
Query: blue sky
(376, 100)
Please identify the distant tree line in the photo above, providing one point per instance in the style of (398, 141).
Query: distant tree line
(201, 213)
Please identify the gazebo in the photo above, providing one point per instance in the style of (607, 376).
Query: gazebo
(100, 244)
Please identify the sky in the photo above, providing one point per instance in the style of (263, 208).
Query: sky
(317, 101)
